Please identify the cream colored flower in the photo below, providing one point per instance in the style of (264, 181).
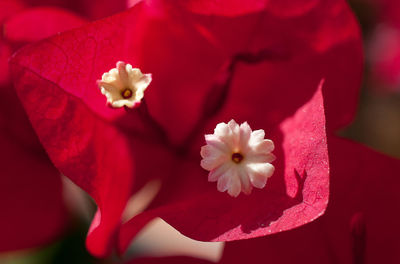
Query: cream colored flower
(237, 158)
(124, 85)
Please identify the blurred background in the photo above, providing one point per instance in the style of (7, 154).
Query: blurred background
(377, 125)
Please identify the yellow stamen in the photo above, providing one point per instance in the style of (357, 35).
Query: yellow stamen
(127, 93)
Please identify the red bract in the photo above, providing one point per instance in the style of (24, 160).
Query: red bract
(259, 67)
(359, 226)
(33, 211)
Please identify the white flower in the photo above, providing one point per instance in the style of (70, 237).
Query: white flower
(238, 158)
(124, 85)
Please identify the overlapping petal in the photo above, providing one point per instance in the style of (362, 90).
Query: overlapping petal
(33, 209)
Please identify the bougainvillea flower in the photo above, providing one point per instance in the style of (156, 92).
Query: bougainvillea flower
(259, 67)
(33, 211)
(359, 226)
(124, 85)
(237, 158)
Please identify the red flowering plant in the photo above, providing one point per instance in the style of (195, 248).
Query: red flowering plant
(30, 185)
(111, 128)
(359, 225)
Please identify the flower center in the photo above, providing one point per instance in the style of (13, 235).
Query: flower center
(127, 93)
(237, 157)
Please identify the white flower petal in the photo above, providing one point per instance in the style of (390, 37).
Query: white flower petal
(245, 133)
(259, 173)
(225, 135)
(217, 172)
(143, 82)
(245, 181)
(134, 74)
(234, 139)
(224, 181)
(116, 104)
(265, 146)
(256, 137)
(235, 186)
(123, 74)
(234, 126)
(221, 130)
(254, 157)
(212, 157)
(214, 141)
